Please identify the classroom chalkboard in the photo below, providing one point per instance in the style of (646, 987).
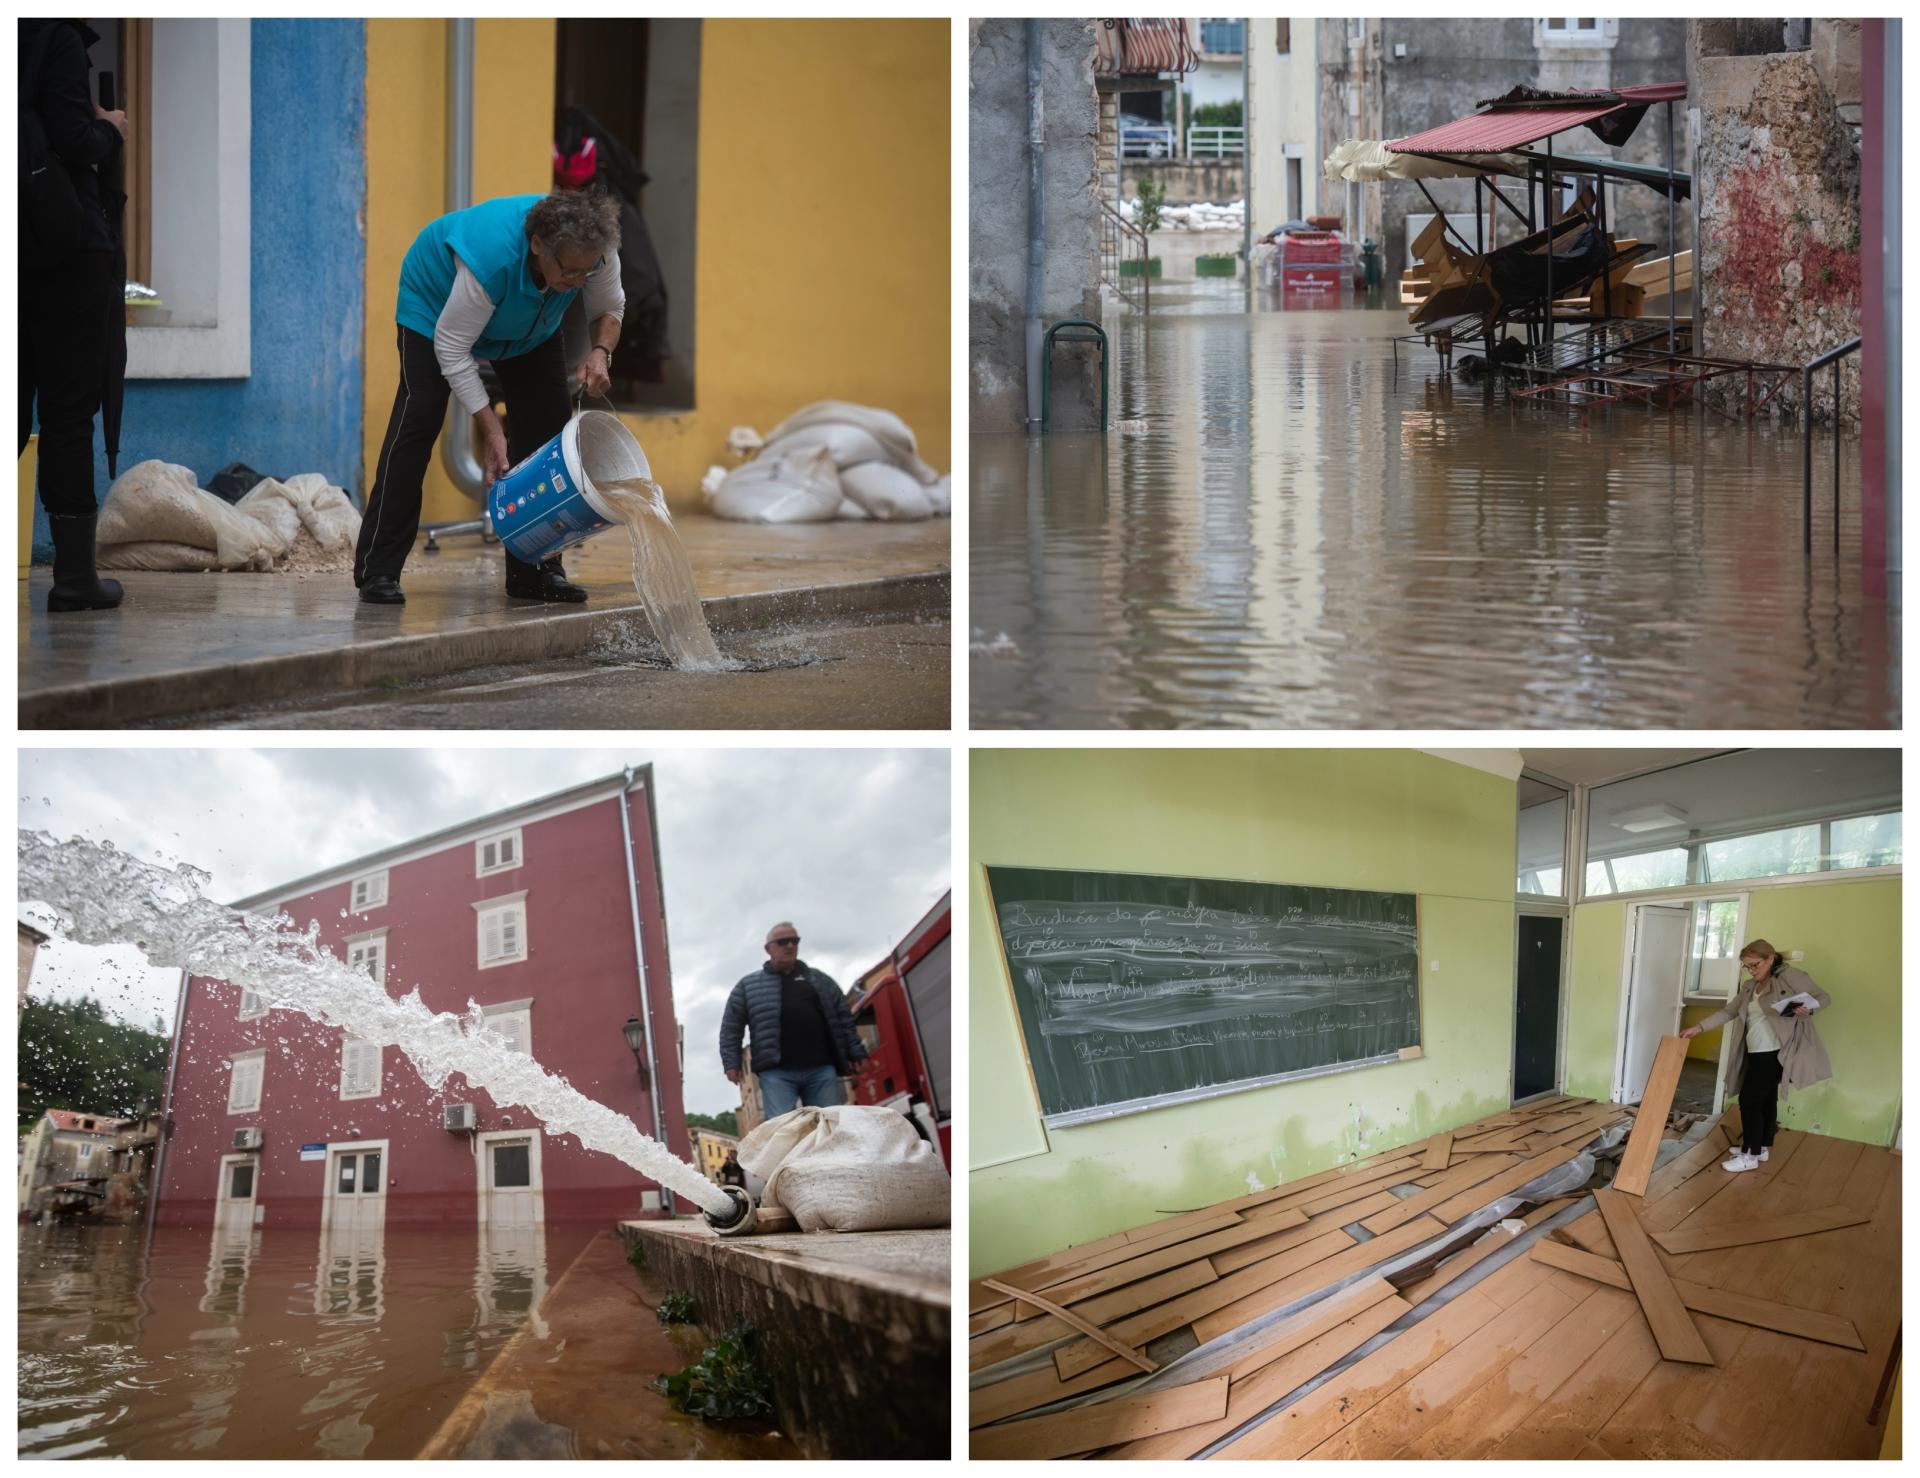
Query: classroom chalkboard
(1134, 992)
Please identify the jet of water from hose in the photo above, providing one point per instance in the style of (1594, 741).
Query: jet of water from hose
(106, 896)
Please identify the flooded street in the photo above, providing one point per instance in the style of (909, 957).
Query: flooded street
(265, 1343)
(1291, 541)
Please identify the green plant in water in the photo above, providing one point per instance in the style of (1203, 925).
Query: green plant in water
(1153, 195)
(676, 1307)
(725, 1384)
(637, 1254)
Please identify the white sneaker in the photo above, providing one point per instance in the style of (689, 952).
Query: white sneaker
(1763, 1155)
(1740, 1160)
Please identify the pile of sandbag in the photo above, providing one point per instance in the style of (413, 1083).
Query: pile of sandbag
(855, 1168)
(157, 517)
(830, 460)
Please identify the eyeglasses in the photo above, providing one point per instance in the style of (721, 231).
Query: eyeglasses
(788, 939)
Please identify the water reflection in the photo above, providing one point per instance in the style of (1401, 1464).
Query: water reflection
(353, 1340)
(1295, 542)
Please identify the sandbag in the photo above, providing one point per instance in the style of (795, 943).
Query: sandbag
(157, 502)
(155, 555)
(884, 426)
(798, 487)
(885, 491)
(326, 511)
(854, 1168)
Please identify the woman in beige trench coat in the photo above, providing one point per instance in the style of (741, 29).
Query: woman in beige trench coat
(1774, 1052)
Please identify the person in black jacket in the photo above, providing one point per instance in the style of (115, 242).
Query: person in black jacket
(66, 308)
(804, 1039)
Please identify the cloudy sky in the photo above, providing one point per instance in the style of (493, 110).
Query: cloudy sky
(852, 845)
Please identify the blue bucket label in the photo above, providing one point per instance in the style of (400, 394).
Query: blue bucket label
(538, 509)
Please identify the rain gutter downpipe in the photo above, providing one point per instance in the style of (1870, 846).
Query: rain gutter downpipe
(1036, 221)
(456, 442)
(640, 961)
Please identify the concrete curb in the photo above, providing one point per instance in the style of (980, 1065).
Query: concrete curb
(114, 703)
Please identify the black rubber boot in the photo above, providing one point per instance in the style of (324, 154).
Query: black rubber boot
(545, 581)
(77, 586)
(382, 590)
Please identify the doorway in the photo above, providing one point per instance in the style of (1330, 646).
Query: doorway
(511, 1192)
(1659, 943)
(357, 1176)
(1536, 1005)
(239, 1200)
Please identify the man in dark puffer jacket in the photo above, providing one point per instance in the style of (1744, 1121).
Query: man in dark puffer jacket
(803, 1036)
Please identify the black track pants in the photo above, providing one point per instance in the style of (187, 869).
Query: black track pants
(1759, 1101)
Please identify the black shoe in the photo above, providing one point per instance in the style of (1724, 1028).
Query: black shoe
(76, 585)
(548, 582)
(382, 590)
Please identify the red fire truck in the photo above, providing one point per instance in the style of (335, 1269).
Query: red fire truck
(903, 1008)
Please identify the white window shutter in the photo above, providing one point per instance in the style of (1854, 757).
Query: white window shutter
(489, 856)
(510, 931)
(508, 846)
(518, 1028)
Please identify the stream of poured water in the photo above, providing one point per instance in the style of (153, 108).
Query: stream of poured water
(663, 576)
(108, 897)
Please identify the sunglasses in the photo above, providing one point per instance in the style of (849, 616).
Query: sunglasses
(787, 939)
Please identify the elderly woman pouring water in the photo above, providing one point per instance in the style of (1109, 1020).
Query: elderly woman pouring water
(491, 282)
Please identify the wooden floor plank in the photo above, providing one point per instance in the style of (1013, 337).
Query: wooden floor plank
(1439, 1151)
(1019, 1339)
(1036, 1388)
(1063, 1315)
(1320, 1275)
(1466, 1202)
(1582, 1404)
(1673, 1329)
(1087, 1428)
(1687, 1239)
(1425, 1400)
(1103, 1280)
(1741, 1308)
(1287, 1335)
(1248, 1398)
(1476, 1170)
(1149, 1324)
(1347, 1189)
(1490, 1241)
(1473, 1426)
(1649, 1125)
(1236, 1258)
(1041, 1272)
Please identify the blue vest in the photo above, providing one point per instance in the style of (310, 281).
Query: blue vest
(491, 238)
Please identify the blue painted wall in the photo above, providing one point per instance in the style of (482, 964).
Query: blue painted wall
(300, 408)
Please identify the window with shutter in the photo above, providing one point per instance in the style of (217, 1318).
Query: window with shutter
(359, 1068)
(251, 1005)
(502, 930)
(497, 853)
(514, 1021)
(243, 1088)
(369, 891)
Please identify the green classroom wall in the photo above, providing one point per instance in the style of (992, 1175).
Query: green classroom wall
(1849, 932)
(1382, 819)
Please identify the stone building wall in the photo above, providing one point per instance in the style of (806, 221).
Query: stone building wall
(997, 219)
(1777, 191)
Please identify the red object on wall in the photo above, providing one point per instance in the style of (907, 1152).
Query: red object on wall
(579, 974)
(903, 1010)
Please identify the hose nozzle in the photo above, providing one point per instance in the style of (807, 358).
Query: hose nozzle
(740, 1222)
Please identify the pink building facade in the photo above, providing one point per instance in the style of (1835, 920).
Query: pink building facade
(531, 914)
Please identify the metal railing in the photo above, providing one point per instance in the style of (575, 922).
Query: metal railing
(1215, 143)
(1831, 357)
(1147, 141)
(1118, 239)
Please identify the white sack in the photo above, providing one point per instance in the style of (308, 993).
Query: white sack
(156, 502)
(886, 492)
(326, 511)
(801, 487)
(854, 1168)
(884, 426)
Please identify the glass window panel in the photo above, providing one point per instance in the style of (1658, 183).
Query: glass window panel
(1712, 969)
(242, 1182)
(370, 1173)
(1541, 841)
(345, 1186)
(1769, 854)
(511, 1166)
(1866, 841)
(1666, 868)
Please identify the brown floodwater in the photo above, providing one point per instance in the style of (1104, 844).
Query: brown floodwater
(244, 1342)
(1290, 540)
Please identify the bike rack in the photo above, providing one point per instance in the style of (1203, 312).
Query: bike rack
(1063, 332)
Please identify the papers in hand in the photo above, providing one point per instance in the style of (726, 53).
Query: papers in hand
(1801, 999)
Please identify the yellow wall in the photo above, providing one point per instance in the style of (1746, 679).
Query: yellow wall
(407, 176)
(823, 257)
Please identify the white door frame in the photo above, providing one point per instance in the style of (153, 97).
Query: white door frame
(224, 1201)
(1626, 986)
(483, 1160)
(356, 1146)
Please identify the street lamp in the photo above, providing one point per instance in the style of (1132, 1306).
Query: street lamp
(636, 1036)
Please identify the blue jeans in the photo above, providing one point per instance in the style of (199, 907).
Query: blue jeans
(781, 1091)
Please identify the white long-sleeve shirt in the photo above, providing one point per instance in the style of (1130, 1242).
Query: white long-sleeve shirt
(469, 310)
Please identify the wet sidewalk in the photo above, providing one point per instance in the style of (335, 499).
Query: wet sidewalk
(573, 1383)
(189, 643)
(855, 1327)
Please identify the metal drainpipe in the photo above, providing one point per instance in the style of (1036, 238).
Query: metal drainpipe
(1036, 221)
(1673, 238)
(1246, 152)
(456, 441)
(640, 958)
(1892, 295)
(166, 1107)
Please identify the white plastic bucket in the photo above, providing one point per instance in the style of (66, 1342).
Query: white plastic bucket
(550, 501)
